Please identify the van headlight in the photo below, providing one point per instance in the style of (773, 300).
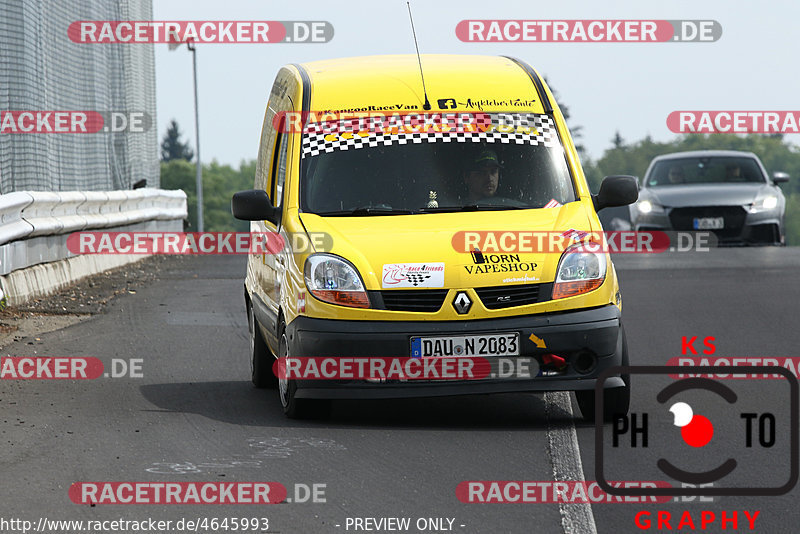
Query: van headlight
(334, 280)
(582, 268)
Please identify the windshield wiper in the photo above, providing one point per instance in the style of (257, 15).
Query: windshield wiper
(479, 207)
(365, 211)
(472, 207)
(441, 209)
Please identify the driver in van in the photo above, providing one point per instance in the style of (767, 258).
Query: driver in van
(482, 175)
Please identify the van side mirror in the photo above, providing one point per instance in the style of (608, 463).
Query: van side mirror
(254, 205)
(780, 177)
(617, 190)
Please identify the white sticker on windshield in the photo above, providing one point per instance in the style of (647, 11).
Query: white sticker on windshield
(397, 275)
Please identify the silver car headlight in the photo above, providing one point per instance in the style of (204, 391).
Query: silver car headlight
(764, 203)
(647, 207)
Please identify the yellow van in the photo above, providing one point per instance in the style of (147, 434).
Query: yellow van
(430, 208)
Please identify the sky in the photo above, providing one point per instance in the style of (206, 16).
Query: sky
(608, 87)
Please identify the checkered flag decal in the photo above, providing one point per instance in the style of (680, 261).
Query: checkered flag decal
(416, 279)
(575, 235)
(517, 128)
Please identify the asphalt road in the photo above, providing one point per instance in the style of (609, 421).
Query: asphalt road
(194, 416)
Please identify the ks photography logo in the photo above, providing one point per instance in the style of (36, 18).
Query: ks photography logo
(701, 432)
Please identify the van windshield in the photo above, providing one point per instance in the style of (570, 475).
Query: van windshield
(495, 168)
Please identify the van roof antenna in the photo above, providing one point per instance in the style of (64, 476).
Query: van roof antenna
(427, 104)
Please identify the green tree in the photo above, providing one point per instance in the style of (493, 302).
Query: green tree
(776, 154)
(618, 141)
(575, 131)
(793, 219)
(171, 146)
(623, 158)
(220, 182)
(180, 174)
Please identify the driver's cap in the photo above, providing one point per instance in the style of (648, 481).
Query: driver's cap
(485, 158)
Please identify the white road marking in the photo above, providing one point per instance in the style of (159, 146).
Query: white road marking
(565, 455)
(181, 318)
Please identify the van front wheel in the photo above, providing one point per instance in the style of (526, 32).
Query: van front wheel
(293, 407)
(260, 358)
(616, 401)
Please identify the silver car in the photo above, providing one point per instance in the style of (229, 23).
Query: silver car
(726, 192)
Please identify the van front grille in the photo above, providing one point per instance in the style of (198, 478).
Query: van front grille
(431, 300)
(413, 300)
(499, 297)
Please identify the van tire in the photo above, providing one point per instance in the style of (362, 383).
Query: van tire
(261, 359)
(293, 407)
(616, 401)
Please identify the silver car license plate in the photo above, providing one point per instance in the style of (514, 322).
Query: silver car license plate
(709, 223)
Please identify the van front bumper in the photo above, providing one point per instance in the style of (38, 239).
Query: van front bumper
(572, 335)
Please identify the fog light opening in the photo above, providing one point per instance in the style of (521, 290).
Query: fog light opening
(584, 362)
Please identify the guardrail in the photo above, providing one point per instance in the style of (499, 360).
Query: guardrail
(34, 225)
(29, 214)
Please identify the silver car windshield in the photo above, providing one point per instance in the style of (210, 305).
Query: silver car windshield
(705, 170)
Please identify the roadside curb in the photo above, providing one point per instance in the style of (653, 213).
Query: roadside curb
(37, 281)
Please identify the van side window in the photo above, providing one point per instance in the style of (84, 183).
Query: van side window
(279, 169)
(262, 163)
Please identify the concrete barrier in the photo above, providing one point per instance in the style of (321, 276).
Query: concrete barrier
(34, 226)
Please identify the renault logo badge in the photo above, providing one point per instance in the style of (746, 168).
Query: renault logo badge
(462, 303)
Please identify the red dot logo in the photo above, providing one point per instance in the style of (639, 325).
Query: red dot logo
(696, 430)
